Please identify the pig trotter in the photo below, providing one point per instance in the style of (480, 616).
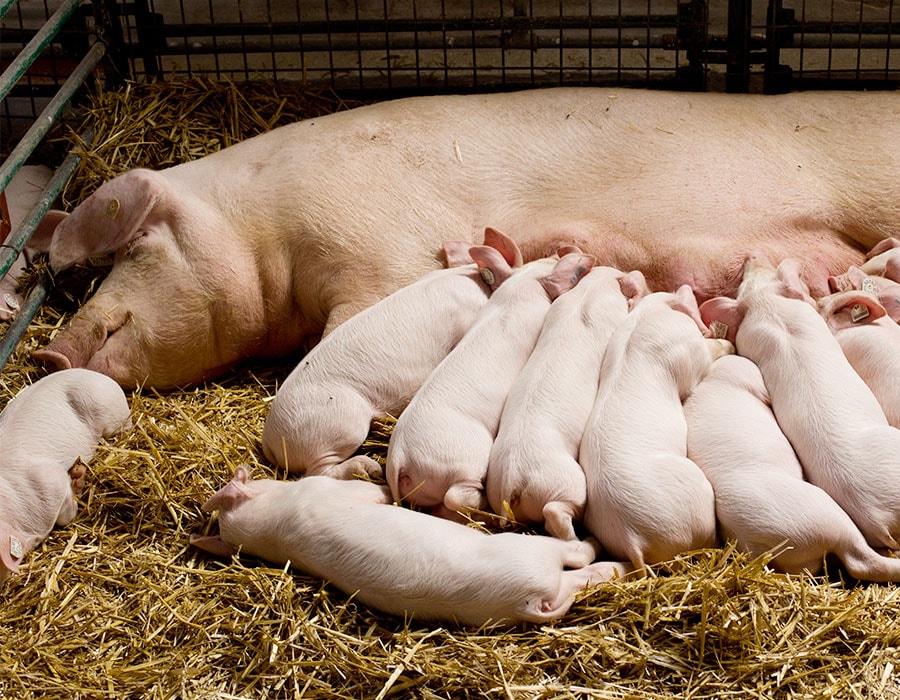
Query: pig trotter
(77, 475)
(360, 465)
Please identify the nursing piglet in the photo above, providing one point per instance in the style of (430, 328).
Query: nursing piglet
(370, 366)
(533, 473)
(887, 291)
(439, 449)
(762, 498)
(883, 259)
(44, 431)
(646, 501)
(871, 343)
(833, 420)
(398, 560)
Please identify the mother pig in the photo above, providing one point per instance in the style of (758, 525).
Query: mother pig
(250, 250)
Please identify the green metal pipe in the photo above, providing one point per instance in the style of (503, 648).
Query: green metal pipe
(4, 7)
(51, 113)
(38, 43)
(36, 297)
(22, 320)
(18, 238)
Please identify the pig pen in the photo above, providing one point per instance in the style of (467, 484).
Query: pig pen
(118, 604)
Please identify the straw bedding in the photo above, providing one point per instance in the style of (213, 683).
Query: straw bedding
(119, 605)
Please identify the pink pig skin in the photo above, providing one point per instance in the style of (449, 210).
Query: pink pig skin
(533, 469)
(871, 345)
(884, 260)
(44, 430)
(22, 193)
(369, 368)
(646, 501)
(887, 291)
(762, 499)
(833, 420)
(397, 560)
(256, 248)
(440, 446)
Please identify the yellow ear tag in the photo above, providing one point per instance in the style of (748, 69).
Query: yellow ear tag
(858, 313)
(112, 209)
(719, 329)
(15, 547)
(487, 275)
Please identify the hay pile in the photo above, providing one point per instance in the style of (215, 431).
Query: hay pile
(119, 605)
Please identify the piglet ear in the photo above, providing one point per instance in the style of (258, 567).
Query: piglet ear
(457, 253)
(634, 286)
(793, 285)
(566, 249)
(12, 548)
(723, 316)
(107, 220)
(232, 494)
(506, 245)
(686, 303)
(892, 268)
(850, 308)
(213, 545)
(494, 268)
(883, 246)
(566, 274)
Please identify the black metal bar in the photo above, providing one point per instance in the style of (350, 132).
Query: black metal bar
(737, 71)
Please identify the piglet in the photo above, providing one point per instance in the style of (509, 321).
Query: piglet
(44, 431)
(762, 499)
(439, 449)
(533, 473)
(398, 560)
(19, 197)
(887, 291)
(370, 366)
(884, 259)
(871, 343)
(832, 419)
(646, 501)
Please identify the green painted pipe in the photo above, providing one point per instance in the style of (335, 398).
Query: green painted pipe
(38, 43)
(36, 297)
(51, 113)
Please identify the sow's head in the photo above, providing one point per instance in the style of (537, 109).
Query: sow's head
(182, 302)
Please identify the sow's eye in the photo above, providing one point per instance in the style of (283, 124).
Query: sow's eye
(134, 246)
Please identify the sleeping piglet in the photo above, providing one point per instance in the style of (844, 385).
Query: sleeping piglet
(44, 431)
(762, 498)
(371, 366)
(646, 501)
(398, 560)
(533, 473)
(439, 449)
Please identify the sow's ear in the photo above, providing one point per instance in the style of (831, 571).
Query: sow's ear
(108, 219)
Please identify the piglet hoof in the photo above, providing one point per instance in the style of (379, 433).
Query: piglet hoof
(77, 474)
(355, 466)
